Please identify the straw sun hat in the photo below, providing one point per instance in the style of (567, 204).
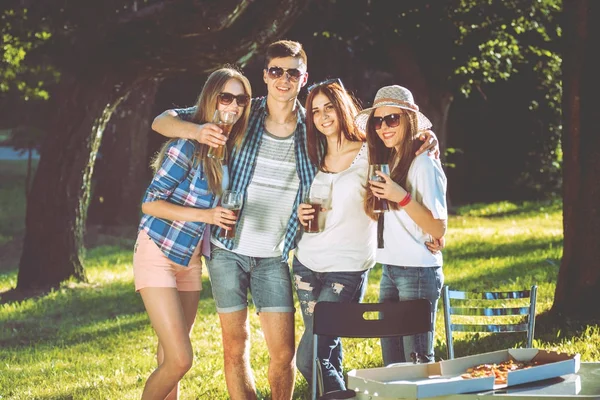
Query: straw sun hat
(393, 96)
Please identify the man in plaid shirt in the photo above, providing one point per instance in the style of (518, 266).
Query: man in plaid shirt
(272, 169)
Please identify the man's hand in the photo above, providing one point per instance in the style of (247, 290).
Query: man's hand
(430, 143)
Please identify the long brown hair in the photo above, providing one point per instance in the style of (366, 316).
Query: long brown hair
(206, 106)
(399, 161)
(346, 108)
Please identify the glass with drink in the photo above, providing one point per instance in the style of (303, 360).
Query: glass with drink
(318, 198)
(224, 120)
(380, 205)
(231, 200)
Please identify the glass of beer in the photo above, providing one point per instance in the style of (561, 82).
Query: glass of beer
(380, 205)
(231, 200)
(224, 120)
(318, 198)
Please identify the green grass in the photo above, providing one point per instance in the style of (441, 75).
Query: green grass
(94, 341)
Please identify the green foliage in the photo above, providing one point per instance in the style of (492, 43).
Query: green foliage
(466, 46)
(20, 37)
(504, 38)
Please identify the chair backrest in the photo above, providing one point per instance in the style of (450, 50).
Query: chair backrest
(395, 319)
(403, 318)
(484, 306)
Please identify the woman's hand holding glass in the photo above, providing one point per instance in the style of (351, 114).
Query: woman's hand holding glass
(210, 134)
(221, 216)
(388, 189)
(305, 213)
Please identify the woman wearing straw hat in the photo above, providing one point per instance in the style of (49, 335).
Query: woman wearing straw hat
(333, 264)
(416, 223)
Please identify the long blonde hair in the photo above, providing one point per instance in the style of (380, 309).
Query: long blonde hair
(206, 106)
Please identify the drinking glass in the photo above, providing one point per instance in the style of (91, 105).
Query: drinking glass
(380, 205)
(224, 120)
(231, 200)
(318, 198)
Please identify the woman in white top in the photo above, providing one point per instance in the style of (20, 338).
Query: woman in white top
(332, 265)
(416, 223)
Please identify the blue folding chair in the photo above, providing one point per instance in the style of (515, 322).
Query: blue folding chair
(491, 307)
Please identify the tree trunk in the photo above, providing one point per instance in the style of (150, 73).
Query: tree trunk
(100, 61)
(57, 204)
(578, 287)
(121, 172)
(29, 167)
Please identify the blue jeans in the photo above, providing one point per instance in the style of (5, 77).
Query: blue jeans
(408, 283)
(312, 287)
(232, 275)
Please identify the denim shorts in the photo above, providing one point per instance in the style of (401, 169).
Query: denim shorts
(233, 275)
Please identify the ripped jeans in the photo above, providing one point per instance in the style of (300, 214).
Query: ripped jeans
(313, 287)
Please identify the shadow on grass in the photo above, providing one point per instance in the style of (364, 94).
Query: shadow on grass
(76, 313)
(504, 210)
(87, 392)
(476, 250)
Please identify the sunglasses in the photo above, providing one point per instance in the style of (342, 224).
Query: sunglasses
(277, 72)
(391, 120)
(227, 98)
(326, 82)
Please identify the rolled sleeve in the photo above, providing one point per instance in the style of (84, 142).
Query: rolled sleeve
(186, 114)
(173, 170)
(431, 183)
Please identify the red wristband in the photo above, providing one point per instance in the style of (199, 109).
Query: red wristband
(404, 202)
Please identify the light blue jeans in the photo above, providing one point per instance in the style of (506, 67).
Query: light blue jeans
(233, 275)
(312, 287)
(409, 283)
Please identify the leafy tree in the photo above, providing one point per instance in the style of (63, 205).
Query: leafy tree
(449, 48)
(103, 51)
(20, 36)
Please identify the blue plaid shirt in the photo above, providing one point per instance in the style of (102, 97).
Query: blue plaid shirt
(178, 181)
(243, 160)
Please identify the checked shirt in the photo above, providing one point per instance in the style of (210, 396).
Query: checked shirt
(243, 160)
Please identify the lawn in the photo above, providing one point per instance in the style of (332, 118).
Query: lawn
(94, 341)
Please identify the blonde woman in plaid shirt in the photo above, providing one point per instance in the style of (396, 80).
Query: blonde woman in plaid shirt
(179, 204)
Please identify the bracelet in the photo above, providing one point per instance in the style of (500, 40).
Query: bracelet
(404, 202)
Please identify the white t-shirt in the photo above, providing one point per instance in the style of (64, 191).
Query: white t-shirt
(404, 241)
(348, 242)
(270, 199)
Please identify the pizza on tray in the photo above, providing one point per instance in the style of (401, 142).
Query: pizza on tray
(498, 371)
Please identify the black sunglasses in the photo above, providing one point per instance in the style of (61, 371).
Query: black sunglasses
(277, 72)
(326, 82)
(227, 98)
(391, 120)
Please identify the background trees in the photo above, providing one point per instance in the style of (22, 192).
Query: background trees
(103, 51)
(486, 72)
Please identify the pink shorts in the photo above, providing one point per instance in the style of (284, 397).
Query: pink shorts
(151, 268)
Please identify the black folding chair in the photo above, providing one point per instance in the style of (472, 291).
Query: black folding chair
(488, 309)
(347, 320)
